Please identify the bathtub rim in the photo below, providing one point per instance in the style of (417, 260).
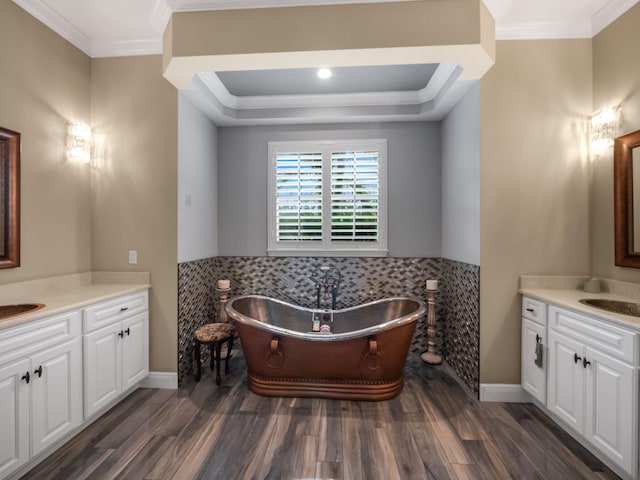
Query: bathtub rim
(320, 337)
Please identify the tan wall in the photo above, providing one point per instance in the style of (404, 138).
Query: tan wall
(326, 27)
(74, 219)
(134, 185)
(44, 84)
(616, 81)
(534, 178)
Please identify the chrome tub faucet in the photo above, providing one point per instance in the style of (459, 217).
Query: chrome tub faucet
(327, 280)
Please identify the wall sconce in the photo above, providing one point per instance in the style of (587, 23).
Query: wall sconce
(79, 143)
(605, 126)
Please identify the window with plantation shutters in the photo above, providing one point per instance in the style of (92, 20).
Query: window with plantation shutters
(327, 198)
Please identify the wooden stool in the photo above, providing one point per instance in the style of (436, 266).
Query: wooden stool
(214, 335)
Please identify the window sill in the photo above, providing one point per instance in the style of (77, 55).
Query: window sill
(328, 253)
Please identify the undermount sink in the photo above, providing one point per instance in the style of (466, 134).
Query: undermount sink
(614, 306)
(7, 311)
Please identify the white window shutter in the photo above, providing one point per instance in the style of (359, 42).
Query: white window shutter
(298, 197)
(355, 196)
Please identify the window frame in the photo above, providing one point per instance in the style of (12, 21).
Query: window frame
(327, 247)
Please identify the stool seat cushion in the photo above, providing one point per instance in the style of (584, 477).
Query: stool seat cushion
(214, 332)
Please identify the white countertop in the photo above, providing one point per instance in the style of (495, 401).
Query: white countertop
(70, 292)
(570, 298)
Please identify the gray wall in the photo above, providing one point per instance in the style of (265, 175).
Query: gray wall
(414, 206)
(461, 180)
(197, 180)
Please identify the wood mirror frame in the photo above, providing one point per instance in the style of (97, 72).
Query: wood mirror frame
(9, 198)
(623, 147)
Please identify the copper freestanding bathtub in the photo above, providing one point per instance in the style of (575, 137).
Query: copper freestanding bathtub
(362, 358)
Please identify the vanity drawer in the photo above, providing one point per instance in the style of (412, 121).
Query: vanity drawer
(611, 339)
(34, 336)
(106, 313)
(534, 310)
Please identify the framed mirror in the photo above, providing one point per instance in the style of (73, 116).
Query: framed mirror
(626, 186)
(9, 198)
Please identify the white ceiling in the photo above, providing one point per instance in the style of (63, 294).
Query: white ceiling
(104, 28)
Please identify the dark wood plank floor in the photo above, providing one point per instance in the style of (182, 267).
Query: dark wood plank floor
(433, 430)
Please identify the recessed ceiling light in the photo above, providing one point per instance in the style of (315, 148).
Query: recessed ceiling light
(324, 73)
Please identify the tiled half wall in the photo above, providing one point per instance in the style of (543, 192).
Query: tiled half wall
(461, 321)
(364, 280)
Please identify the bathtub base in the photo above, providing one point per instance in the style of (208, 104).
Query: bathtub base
(325, 388)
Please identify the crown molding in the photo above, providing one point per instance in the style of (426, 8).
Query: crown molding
(210, 82)
(610, 13)
(126, 48)
(160, 16)
(561, 29)
(496, 7)
(544, 30)
(224, 117)
(41, 11)
(119, 48)
(440, 82)
(200, 5)
(163, 9)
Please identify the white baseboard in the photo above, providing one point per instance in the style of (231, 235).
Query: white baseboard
(168, 380)
(503, 392)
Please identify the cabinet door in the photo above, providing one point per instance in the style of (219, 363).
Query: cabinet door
(102, 367)
(534, 378)
(56, 393)
(566, 389)
(14, 416)
(135, 350)
(612, 394)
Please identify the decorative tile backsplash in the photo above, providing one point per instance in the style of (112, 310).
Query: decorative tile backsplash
(196, 306)
(363, 280)
(461, 332)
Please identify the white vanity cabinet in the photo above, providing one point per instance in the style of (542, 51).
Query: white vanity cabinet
(593, 383)
(534, 354)
(40, 387)
(56, 371)
(15, 416)
(116, 349)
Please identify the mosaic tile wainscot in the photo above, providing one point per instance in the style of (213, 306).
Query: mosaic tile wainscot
(364, 280)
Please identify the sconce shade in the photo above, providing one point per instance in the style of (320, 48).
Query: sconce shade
(79, 143)
(605, 126)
